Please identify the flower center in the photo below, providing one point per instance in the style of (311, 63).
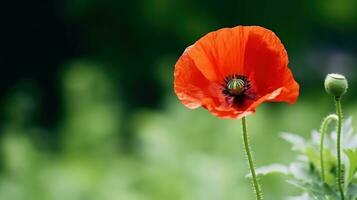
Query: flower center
(235, 85)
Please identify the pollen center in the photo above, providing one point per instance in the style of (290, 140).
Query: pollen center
(236, 86)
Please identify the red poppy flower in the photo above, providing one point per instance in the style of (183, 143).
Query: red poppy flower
(233, 70)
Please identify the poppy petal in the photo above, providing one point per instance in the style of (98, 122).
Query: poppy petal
(266, 63)
(194, 90)
(191, 86)
(220, 53)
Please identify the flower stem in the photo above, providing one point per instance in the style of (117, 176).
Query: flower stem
(250, 161)
(324, 125)
(339, 124)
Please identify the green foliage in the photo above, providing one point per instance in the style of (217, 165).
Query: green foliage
(305, 171)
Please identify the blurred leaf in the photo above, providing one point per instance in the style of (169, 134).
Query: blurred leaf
(349, 139)
(313, 155)
(270, 169)
(330, 165)
(351, 165)
(297, 141)
(352, 192)
(305, 173)
(304, 196)
(316, 190)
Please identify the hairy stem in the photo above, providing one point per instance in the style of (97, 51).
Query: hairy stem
(324, 125)
(339, 125)
(250, 161)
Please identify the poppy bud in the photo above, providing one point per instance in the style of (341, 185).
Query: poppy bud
(336, 84)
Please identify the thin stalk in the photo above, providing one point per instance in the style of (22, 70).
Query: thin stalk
(323, 129)
(256, 185)
(339, 125)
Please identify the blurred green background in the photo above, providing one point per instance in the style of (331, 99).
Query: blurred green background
(88, 110)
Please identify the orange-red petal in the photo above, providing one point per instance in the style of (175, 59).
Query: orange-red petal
(266, 64)
(219, 53)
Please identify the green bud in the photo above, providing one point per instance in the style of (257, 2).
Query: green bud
(336, 84)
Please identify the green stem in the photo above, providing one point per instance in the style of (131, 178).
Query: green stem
(250, 161)
(323, 129)
(339, 124)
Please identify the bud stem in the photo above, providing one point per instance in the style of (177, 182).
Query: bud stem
(250, 161)
(339, 125)
(323, 129)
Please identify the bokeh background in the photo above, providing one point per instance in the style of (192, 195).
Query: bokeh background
(88, 110)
